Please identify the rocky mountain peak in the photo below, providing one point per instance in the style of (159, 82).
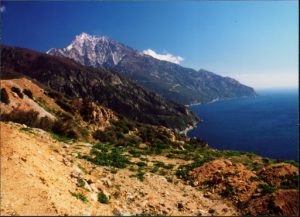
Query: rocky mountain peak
(93, 50)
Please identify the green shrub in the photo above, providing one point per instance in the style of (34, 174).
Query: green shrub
(290, 182)
(102, 146)
(4, 96)
(140, 175)
(66, 106)
(46, 123)
(80, 182)
(113, 158)
(135, 153)
(141, 164)
(17, 91)
(154, 169)
(66, 128)
(104, 136)
(253, 179)
(80, 196)
(28, 93)
(266, 189)
(30, 118)
(54, 94)
(102, 198)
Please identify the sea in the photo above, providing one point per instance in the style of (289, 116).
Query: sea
(266, 125)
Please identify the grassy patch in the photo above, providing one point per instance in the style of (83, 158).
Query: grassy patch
(113, 157)
(80, 196)
(102, 198)
(61, 138)
(139, 175)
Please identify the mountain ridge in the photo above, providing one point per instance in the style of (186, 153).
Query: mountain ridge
(103, 86)
(172, 81)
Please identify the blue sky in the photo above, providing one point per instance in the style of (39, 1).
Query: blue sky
(254, 42)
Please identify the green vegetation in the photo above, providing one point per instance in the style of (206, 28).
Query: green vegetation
(162, 165)
(66, 106)
(80, 182)
(254, 179)
(104, 156)
(28, 93)
(102, 198)
(80, 196)
(4, 96)
(17, 91)
(290, 182)
(139, 175)
(294, 163)
(27, 129)
(266, 189)
(82, 168)
(141, 164)
(61, 138)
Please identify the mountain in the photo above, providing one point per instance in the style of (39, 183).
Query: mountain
(174, 82)
(98, 51)
(102, 86)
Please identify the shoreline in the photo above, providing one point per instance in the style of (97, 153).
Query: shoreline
(219, 100)
(189, 127)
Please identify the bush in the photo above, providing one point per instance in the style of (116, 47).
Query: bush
(290, 182)
(105, 136)
(114, 158)
(28, 93)
(30, 118)
(141, 164)
(4, 96)
(17, 91)
(65, 106)
(54, 94)
(66, 128)
(80, 196)
(102, 198)
(266, 189)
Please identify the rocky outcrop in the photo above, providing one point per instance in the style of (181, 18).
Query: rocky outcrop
(227, 179)
(282, 202)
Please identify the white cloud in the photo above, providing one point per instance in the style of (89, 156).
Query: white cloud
(167, 56)
(2, 9)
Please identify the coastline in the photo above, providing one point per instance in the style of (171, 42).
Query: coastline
(190, 127)
(220, 100)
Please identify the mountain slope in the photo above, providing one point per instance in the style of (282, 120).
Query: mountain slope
(103, 86)
(177, 83)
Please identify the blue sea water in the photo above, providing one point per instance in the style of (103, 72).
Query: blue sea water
(266, 125)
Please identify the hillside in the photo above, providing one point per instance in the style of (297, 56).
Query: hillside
(102, 86)
(63, 180)
(62, 156)
(174, 82)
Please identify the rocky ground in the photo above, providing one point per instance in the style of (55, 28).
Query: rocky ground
(42, 176)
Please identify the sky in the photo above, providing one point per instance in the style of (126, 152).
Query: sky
(255, 42)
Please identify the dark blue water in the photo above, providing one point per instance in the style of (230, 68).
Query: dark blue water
(266, 125)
